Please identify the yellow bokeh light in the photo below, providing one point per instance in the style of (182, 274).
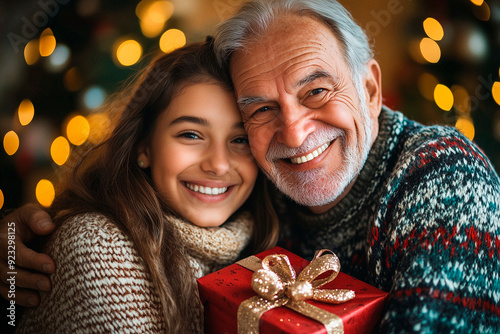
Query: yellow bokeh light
(78, 130)
(100, 126)
(466, 126)
(59, 150)
(151, 29)
(47, 43)
(430, 50)
(462, 101)
(477, 2)
(45, 192)
(426, 83)
(433, 29)
(10, 142)
(495, 90)
(128, 52)
(25, 112)
(154, 10)
(172, 39)
(2, 200)
(443, 97)
(482, 12)
(31, 52)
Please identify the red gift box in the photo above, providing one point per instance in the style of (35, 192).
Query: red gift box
(223, 291)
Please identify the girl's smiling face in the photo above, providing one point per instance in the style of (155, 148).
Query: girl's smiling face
(200, 160)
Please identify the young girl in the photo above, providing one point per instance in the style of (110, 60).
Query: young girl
(170, 196)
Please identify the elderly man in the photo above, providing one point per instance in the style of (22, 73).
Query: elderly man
(413, 210)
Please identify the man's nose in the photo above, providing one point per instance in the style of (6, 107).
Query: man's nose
(216, 160)
(295, 125)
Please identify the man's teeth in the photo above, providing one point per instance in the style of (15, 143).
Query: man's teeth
(206, 190)
(310, 156)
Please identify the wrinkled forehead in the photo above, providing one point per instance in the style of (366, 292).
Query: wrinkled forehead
(290, 45)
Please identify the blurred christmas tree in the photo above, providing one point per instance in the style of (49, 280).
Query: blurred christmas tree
(454, 64)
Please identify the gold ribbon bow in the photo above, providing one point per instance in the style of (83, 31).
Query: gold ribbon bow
(276, 285)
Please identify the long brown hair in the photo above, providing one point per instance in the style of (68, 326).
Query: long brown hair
(108, 180)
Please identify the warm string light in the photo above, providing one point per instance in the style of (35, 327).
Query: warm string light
(445, 98)
(45, 192)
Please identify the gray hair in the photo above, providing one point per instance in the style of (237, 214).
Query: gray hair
(256, 16)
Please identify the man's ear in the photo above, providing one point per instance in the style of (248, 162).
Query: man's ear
(143, 159)
(373, 88)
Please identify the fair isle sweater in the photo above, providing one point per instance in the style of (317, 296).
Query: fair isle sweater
(422, 222)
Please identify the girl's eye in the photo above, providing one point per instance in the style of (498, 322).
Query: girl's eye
(241, 140)
(189, 135)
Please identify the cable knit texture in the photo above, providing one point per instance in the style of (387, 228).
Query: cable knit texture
(101, 284)
(422, 221)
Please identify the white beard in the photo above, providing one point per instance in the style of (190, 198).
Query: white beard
(322, 185)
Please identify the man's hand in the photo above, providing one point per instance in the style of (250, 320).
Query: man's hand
(17, 229)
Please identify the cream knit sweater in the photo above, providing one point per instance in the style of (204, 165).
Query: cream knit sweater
(101, 286)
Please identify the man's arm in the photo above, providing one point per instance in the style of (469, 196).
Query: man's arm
(23, 226)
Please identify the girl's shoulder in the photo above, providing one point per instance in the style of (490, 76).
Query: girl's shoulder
(91, 234)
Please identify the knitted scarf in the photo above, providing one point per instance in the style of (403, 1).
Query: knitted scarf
(212, 248)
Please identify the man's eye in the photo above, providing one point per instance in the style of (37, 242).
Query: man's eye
(316, 91)
(262, 109)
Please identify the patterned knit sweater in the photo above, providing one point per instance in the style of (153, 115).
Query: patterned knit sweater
(422, 222)
(101, 285)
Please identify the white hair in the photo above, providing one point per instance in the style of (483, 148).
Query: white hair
(255, 17)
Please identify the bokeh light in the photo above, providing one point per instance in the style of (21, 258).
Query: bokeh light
(477, 2)
(25, 112)
(93, 97)
(2, 200)
(128, 52)
(495, 90)
(59, 150)
(430, 50)
(11, 142)
(172, 39)
(153, 15)
(72, 80)
(100, 126)
(426, 83)
(45, 192)
(443, 97)
(433, 29)
(59, 59)
(482, 12)
(462, 101)
(47, 43)
(31, 53)
(78, 130)
(465, 125)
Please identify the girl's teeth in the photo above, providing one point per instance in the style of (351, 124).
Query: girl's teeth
(305, 158)
(206, 190)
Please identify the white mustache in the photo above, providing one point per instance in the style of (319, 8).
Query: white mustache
(316, 139)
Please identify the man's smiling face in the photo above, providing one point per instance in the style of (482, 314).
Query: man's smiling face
(309, 130)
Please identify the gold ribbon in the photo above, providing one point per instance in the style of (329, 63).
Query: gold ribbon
(276, 285)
